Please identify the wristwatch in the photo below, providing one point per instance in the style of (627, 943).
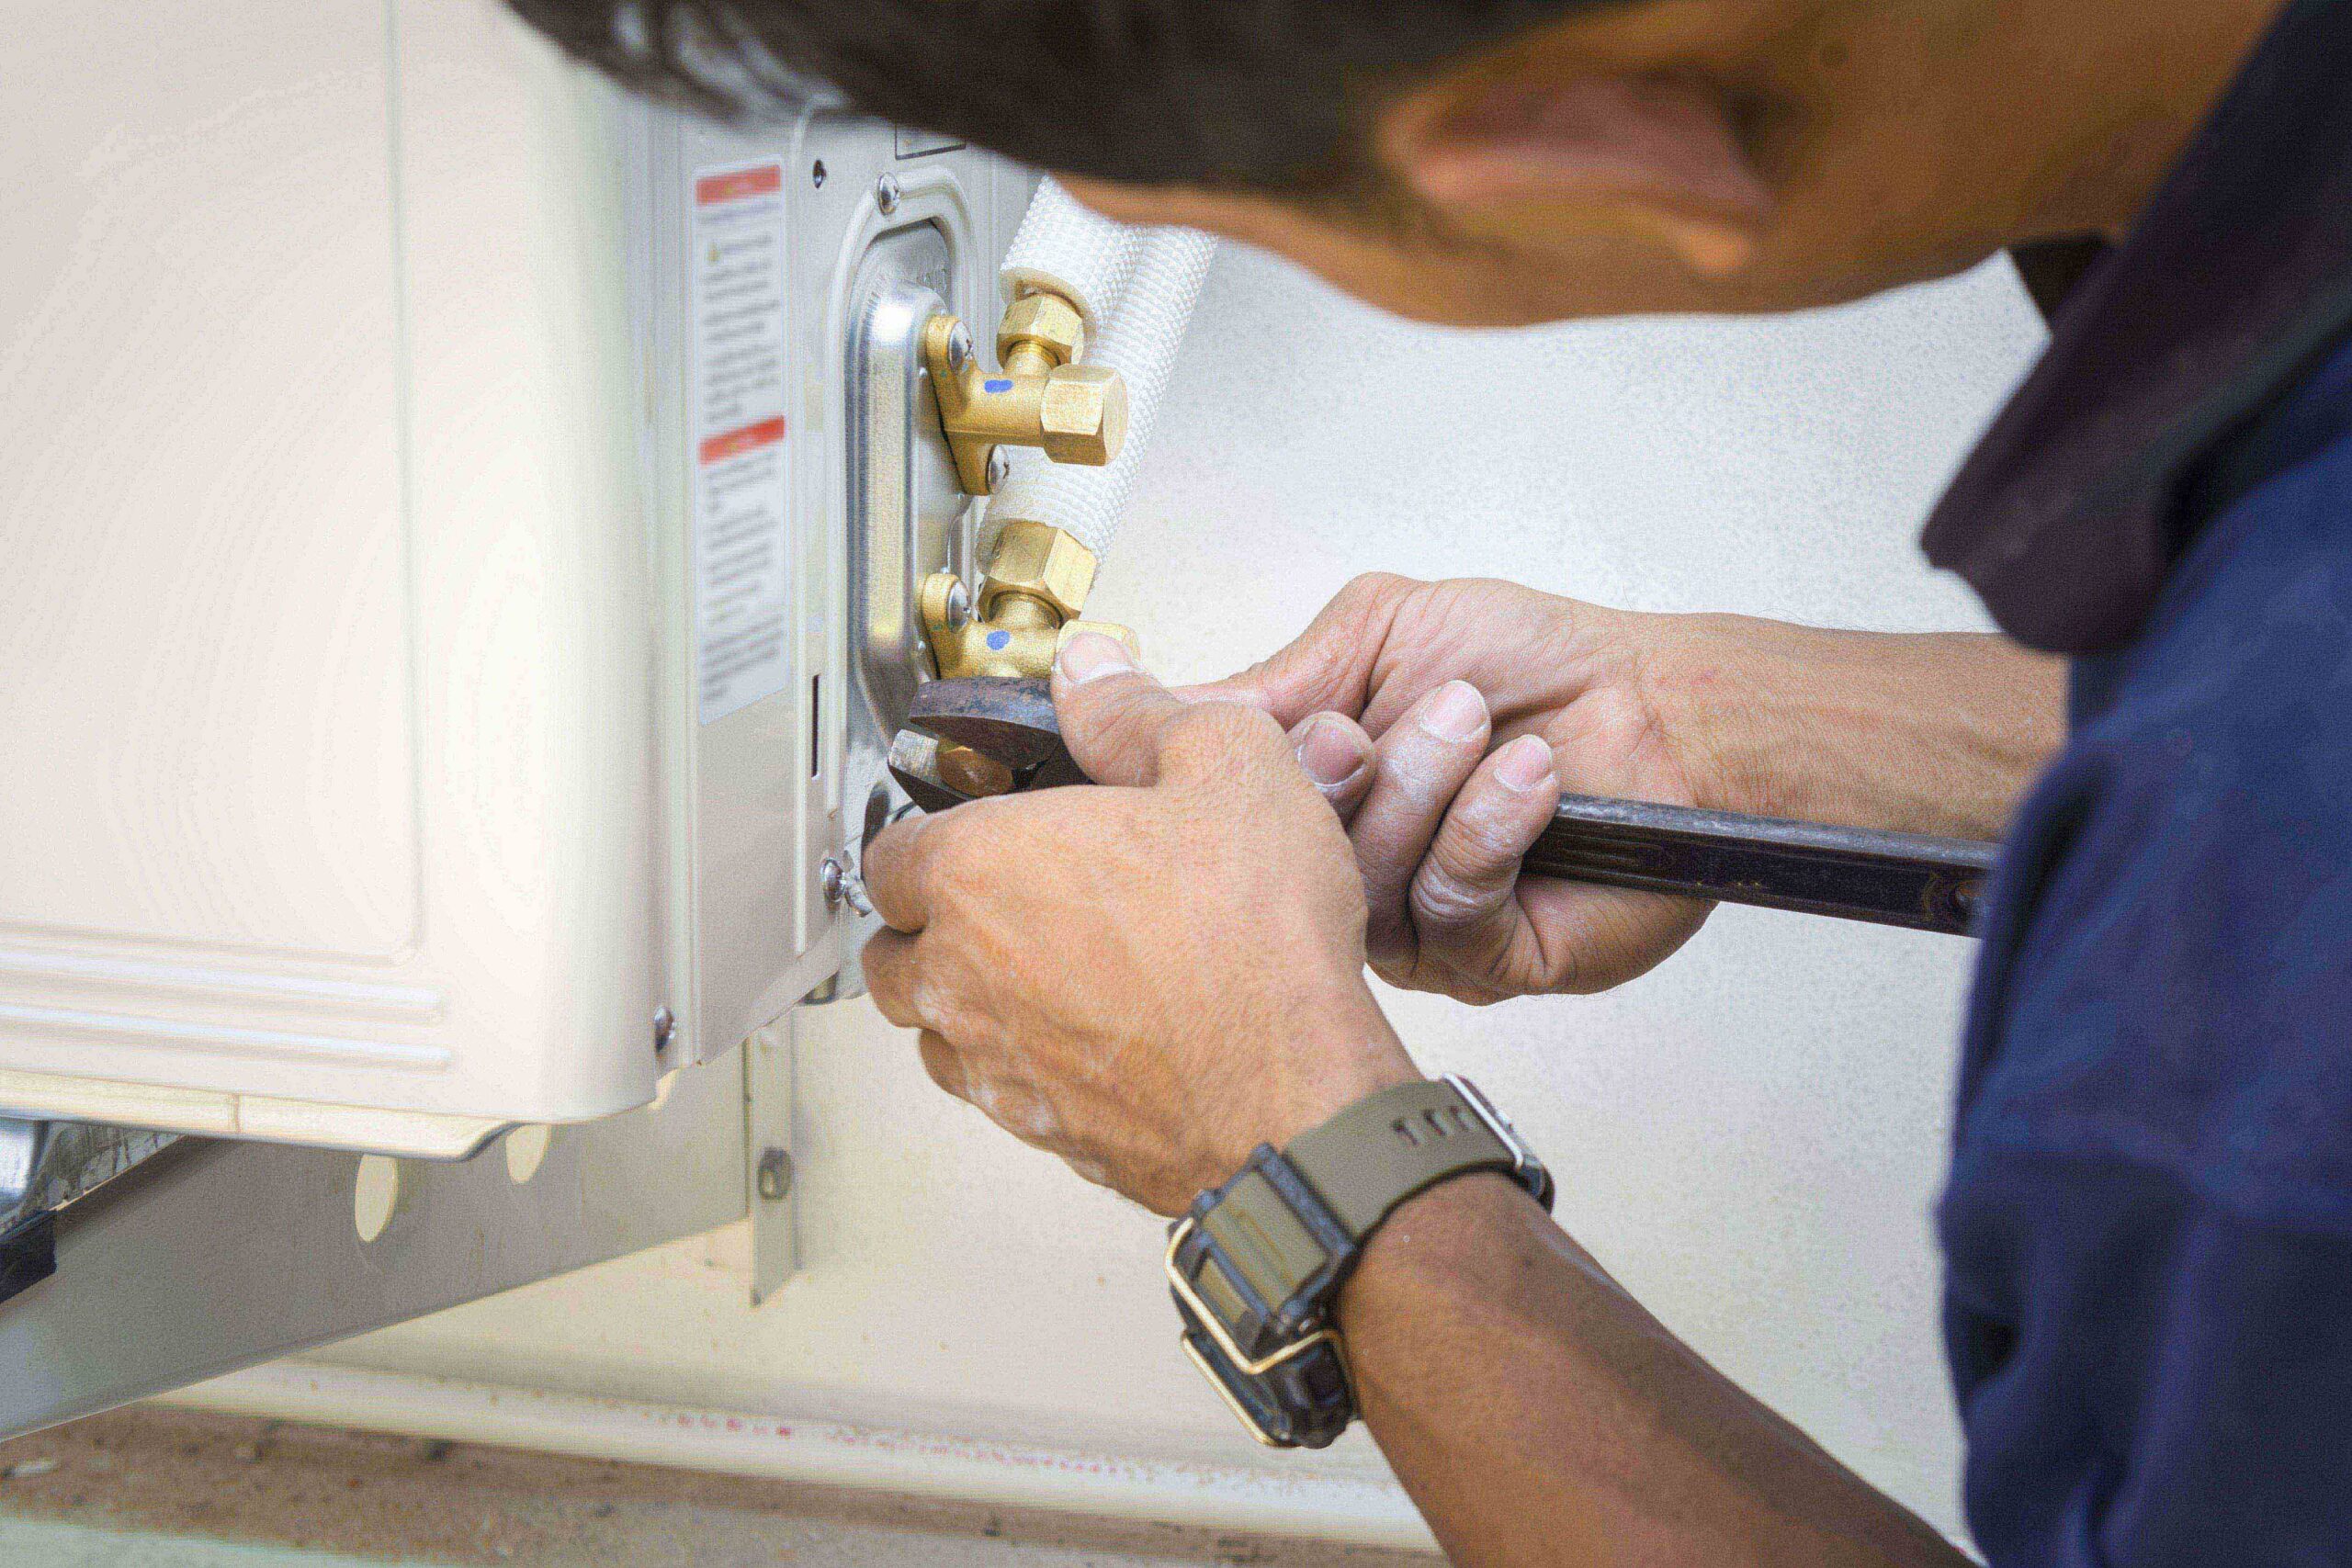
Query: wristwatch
(1256, 1265)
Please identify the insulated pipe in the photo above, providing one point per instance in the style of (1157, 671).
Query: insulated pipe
(1139, 341)
(1065, 249)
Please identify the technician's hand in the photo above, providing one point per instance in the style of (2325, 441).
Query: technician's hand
(1396, 697)
(1148, 976)
(1398, 691)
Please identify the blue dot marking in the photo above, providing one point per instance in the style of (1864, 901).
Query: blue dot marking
(999, 385)
(999, 642)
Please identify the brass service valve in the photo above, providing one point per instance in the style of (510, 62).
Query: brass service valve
(1037, 576)
(1029, 603)
(1075, 414)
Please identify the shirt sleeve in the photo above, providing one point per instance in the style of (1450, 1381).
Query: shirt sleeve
(2149, 1381)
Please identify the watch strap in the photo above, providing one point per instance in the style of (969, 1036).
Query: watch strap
(1389, 1145)
(1256, 1262)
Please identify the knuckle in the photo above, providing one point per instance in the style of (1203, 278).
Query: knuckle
(941, 1063)
(1367, 590)
(1471, 991)
(1477, 844)
(894, 849)
(936, 1009)
(892, 1004)
(948, 994)
(1440, 899)
(884, 984)
(888, 981)
(1326, 665)
(1420, 791)
(957, 848)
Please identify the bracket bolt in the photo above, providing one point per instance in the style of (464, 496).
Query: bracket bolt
(842, 887)
(886, 194)
(665, 1024)
(774, 1174)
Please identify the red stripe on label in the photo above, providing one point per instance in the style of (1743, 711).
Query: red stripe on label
(735, 443)
(765, 180)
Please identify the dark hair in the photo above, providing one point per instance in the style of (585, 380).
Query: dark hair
(1267, 93)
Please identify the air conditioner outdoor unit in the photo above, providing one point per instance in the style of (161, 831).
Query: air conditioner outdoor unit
(455, 528)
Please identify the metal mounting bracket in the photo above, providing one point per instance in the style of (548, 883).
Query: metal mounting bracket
(909, 518)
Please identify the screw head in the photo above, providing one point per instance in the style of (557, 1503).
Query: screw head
(999, 467)
(665, 1024)
(816, 173)
(886, 194)
(959, 606)
(774, 1174)
(833, 879)
(959, 347)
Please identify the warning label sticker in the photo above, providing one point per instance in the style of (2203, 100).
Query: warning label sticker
(736, 396)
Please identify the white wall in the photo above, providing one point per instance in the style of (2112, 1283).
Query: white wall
(1749, 1137)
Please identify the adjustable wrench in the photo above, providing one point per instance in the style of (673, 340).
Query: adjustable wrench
(970, 737)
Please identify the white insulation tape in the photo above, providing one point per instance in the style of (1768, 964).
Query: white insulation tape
(1065, 249)
(1140, 342)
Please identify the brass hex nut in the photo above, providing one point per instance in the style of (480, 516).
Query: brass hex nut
(1041, 563)
(1124, 636)
(1048, 320)
(1084, 414)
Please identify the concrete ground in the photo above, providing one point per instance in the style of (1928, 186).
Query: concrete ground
(153, 1488)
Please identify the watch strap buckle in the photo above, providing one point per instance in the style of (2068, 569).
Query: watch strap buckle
(1531, 1173)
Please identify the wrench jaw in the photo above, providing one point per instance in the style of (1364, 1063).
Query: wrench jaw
(971, 736)
(937, 776)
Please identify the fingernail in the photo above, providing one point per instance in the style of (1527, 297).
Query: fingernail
(1327, 751)
(1092, 655)
(1525, 763)
(1456, 713)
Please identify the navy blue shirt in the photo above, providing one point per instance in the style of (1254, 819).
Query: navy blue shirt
(2148, 1226)
(2149, 1222)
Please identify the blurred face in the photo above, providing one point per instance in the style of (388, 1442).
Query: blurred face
(1741, 155)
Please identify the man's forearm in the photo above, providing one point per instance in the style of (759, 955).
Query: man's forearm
(1538, 1414)
(1926, 733)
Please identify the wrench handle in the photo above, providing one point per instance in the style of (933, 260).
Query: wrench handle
(1853, 874)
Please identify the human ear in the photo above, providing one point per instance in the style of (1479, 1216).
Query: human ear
(1549, 163)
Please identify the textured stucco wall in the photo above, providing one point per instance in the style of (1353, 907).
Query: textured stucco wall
(1750, 1137)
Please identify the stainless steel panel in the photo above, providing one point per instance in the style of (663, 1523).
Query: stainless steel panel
(214, 1255)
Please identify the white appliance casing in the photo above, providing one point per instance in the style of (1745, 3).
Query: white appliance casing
(346, 639)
